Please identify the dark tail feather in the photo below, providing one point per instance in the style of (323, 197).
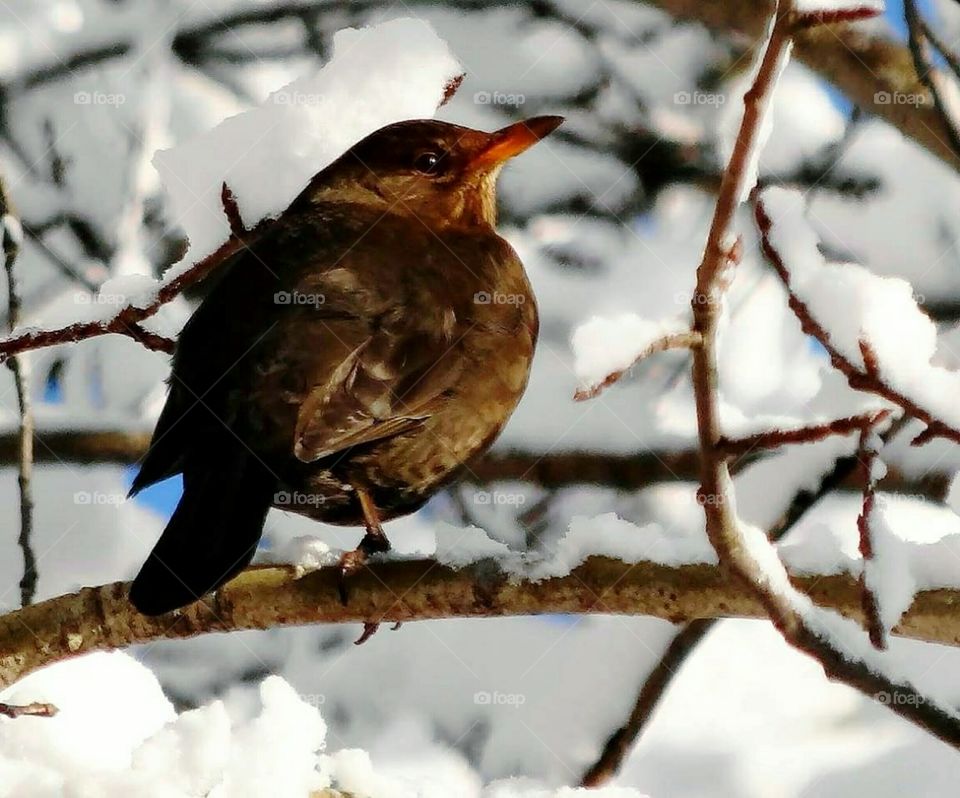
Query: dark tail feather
(212, 535)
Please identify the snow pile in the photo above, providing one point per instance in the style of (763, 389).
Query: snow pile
(915, 548)
(605, 535)
(606, 346)
(305, 553)
(385, 73)
(888, 573)
(852, 304)
(117, 735)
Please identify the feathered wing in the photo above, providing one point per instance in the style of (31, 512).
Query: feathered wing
(257, 380)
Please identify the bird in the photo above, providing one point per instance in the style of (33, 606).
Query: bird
(346, 362)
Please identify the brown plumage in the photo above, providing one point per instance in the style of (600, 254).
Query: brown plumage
(345, 365)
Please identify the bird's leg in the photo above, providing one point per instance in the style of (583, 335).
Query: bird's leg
(373, 542)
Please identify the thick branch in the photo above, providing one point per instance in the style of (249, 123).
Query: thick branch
(262, 597)
(555, 470)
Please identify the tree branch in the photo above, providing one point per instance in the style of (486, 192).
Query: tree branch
(866, 66)
(262, 597)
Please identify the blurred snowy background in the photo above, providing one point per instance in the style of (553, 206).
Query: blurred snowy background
(609, 217)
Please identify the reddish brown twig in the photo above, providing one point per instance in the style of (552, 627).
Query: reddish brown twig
(681, 340)
(867, 454)
(773, 439)
(127, 320)
(231, 210)
(37, 709)
(830, 16)
(867, 379)
(738, 547)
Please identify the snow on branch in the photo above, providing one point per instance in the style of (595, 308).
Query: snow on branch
(261, 597)
(397, 70)
(871, 326)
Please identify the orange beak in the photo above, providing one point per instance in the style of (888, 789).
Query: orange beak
(514, 139)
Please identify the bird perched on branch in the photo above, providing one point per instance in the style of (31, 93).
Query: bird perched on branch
(349, 360)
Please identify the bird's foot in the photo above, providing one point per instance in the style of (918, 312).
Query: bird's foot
(353, 561)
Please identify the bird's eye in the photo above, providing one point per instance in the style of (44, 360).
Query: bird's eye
(429, 163)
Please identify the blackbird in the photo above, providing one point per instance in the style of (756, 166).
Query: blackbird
(349, 360)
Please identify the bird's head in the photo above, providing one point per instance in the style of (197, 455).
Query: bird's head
(441, 173)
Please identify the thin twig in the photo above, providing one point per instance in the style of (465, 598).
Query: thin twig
(20, 368)
(617, 747)
(867, 453)
(680, 340)
(774, 439)
(866, 379)
(127, 320)
(737, 547)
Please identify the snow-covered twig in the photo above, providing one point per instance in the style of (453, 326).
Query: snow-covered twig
(679, 340)
(866, 377)
(127, 320)
(11, 235)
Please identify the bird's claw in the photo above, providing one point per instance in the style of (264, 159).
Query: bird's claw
(353, 561)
